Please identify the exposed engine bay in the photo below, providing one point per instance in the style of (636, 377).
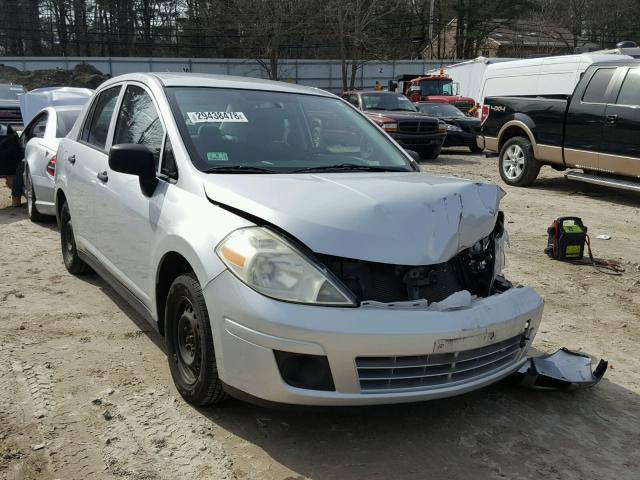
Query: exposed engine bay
(473, 269)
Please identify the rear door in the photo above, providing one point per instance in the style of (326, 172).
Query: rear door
(585, 120)
(621, 143)
(84, 160)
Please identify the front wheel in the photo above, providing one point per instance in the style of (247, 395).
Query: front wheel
(517, 164)
(430, 153)
(189, 343)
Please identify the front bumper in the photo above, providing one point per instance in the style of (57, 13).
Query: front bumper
(247, 327)
(419, 141)
(460, 139)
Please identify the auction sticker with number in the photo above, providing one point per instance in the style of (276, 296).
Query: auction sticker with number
(214, 117)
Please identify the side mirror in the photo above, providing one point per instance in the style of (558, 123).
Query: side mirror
(414, 155)
(135, 159)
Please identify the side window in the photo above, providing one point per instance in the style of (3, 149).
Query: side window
(630, 90)
(36, 129)
(597, 88)
(138, 121)
(39, 127)
(96, 127)
(168, 166)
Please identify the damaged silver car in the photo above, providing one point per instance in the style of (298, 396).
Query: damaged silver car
(286, 247)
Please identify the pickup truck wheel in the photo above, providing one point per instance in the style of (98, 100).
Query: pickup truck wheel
(32, 211)
(518, 166)
(189, 343)
(72, 261)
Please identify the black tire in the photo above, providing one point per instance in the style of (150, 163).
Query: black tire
(430, 153)
(32, 210)
(72, 261)
(189, 342)
(517, 164)
(475, 149)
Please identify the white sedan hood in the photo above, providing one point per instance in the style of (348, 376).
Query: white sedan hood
(398, 218)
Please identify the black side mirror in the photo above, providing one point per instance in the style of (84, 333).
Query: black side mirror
(413, 154)
(135, 159)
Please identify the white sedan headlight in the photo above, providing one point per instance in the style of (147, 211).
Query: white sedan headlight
(266, 262)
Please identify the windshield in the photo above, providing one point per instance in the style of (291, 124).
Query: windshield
(277, 132)
(436, 87)
(10, 92)
(440, 110)
(385, 101)
(66, 119)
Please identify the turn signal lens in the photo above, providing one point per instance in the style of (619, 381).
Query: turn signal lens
(390, 127)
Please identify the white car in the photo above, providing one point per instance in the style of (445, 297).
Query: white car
(40, 140)
(285, 246)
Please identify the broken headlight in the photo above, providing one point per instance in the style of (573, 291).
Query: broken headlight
(272, 266)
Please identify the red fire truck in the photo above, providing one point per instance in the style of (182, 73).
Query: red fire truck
(433, 88)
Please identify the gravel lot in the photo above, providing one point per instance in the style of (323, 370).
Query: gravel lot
(85, 391)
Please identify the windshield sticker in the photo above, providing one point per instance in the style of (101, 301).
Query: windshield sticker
(217, 156)
(214, 117)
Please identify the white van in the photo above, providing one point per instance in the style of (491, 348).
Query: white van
(538, 76)
(468, 75)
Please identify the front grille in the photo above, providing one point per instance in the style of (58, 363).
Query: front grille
(417, 126)
(464, 106)
(379, 374)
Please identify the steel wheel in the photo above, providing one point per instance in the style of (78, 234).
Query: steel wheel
(189, 354)
(513, 163)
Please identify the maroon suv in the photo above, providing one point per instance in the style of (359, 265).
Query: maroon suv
(400, 118)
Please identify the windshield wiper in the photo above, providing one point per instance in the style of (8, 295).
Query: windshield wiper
(347, 167)
(403, 110)
(238, 169)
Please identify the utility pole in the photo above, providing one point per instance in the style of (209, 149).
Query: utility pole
(431, 20)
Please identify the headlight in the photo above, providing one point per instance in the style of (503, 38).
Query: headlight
(453, 128)
(390, 127)
(500, 262)
(442, 127)
(270, 265)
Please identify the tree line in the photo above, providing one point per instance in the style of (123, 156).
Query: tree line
(268, 30)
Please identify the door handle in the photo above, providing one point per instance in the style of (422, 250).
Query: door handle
(103, 176)
(611, 119)
(71, 159)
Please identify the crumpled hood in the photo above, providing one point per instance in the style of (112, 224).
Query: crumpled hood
(398, 218)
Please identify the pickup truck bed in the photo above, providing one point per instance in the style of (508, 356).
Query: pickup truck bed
(595, 129)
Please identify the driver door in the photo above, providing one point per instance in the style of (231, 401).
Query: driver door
(131, 216)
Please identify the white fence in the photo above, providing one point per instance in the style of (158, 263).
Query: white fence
(325, 74)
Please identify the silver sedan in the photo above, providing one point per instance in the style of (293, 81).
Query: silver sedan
(40, 141)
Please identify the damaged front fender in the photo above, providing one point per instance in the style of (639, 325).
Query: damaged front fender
(562, 370)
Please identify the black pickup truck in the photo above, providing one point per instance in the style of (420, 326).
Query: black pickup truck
(596, 129)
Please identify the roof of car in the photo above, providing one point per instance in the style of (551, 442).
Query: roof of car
(378, 92)
(180, 79)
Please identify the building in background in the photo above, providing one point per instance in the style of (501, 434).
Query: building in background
(515, 38)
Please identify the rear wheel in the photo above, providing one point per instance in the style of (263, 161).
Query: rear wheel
(32, 211)
(72, 261)
(517, 164)
(189, 343)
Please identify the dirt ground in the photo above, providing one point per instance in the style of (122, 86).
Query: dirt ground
(85, 391)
